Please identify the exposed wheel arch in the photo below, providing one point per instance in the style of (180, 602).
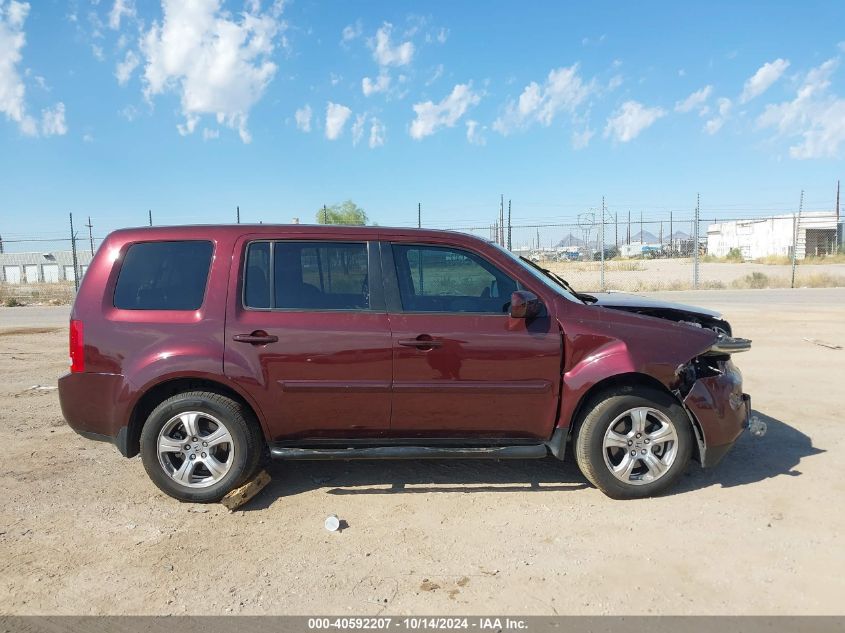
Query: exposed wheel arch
(622, 383)
(162, 391)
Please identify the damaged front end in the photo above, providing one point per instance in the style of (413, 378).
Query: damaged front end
(710, 388)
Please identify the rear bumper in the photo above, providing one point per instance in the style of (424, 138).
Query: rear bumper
(721, 410)
(94, 406)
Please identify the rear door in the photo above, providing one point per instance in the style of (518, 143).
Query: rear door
(462, 367)
(307, 336)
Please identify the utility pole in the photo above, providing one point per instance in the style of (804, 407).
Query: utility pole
(616, 236)
(73, 250)
(642, 237)
(238, 214)
(628, 239)
(509, 225)
(695, 242)
(671, 237)
(796, 228)
(501, 236)
(90, 235)
(1, 244)
(419, 215)
(835, 249)
(151, 216)
(325, 215)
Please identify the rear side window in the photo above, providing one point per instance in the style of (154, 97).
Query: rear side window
(307, 276)
(163, 276)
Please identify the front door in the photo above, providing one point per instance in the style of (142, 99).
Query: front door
(462, 367)
(308, 337)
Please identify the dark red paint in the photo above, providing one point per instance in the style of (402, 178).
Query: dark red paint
(371, 373)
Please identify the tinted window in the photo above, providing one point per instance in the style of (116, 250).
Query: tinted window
(307, 276)
(163, 276)
(442, 279)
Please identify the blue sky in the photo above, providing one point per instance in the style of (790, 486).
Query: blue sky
(112, 107)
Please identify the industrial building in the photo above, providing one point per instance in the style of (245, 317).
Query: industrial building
(813, 234)
(52, 267)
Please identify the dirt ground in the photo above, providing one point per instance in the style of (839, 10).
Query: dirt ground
(673, 274)
(83, 531)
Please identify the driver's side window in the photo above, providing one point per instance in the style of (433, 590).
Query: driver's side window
(445, 279)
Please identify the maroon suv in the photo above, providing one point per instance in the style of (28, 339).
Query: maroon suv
(202, 347)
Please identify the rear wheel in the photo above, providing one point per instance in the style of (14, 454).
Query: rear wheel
(197, 446)
(634, 443)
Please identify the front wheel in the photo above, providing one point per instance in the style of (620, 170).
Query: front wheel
(634, 443)
(197, 446)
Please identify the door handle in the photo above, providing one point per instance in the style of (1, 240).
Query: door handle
(258, 337)
(423, 341)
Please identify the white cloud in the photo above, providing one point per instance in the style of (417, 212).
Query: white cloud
(97, 52)
(432, 116)
(358, 129)
(377, 133)
(814, 115)
(615, 82)
(217, 63)
(696, 100)
(762, 80)
(336, 117)
(120, 9)
(563, 91)
(303, 118)
(12, 90)
(442, 35)
(715, 124)
(352, 31)
(209, 134)
(13, 15)
(437, 74)
(373, 86)
(474, 133)
(626, 123)
(53, 120)
(88, 138)
(580, 140)
(124, 69)
(385, 53)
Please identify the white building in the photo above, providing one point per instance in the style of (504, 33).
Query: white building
(53, 267)
(816, 235)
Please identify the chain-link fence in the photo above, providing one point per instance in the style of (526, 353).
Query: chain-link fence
(626, 252)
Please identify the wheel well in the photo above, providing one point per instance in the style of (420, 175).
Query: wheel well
(161, 392)
(629, 381)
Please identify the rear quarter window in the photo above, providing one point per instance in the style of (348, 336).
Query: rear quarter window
(163, 276)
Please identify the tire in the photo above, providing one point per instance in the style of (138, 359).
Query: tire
(646, 464)
(221, 452)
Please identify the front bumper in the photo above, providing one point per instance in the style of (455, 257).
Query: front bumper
(721, 411)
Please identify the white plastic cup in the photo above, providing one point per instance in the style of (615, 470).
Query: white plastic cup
(332, 523)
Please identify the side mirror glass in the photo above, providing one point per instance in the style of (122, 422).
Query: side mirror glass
(524, 305)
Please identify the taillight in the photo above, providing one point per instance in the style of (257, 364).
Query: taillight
(77, 348)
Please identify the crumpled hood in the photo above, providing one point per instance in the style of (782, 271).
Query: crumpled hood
(627, 301)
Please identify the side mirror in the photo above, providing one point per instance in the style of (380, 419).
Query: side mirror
(525, 305)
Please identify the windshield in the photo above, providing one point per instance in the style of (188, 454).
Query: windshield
(538, 273)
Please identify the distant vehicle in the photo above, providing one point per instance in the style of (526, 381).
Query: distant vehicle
(201, 347)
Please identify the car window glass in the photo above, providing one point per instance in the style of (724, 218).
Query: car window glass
(307, 276)
(443, 279)
(163, 276)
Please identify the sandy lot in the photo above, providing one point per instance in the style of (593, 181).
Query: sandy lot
(82, 530)
(668, 274)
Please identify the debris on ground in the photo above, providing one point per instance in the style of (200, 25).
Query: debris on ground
(332, 523)
(240, 496)
(816, 341)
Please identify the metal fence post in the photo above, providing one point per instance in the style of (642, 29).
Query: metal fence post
(695, 242)
(601, 245)
(796, 222)
(73, 250)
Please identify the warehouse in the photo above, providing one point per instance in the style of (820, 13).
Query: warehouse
(53, 267)
(816, 235)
